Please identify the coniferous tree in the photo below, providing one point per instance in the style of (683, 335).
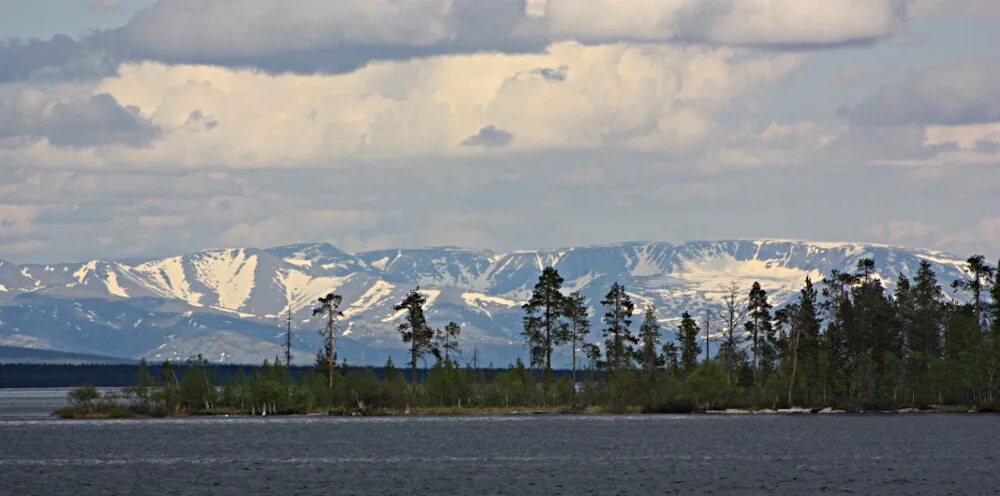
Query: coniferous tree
(981, 276)
(873, 344)
(541, 320)
(759, 330)
(414, 329)
(993, 338)
(807, 326)
(288, 337)
(838, 308)
(671, 357)
(923, 339)
(619, 341)
(576, 328)
(328, 308)
(649, 340)
(446, 340)
(690, 351)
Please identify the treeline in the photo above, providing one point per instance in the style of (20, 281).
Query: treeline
(852, 345)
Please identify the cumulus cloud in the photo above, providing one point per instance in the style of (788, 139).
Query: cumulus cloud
(651, 97)
(95, 120)
(961, 93)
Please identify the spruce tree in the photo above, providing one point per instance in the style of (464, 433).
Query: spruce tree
(576, 328)
(923, 341)
(807, 325)
(688, 332)
(414, 329)
(328, 308)
(649, 339)
(619, 341)
(759, 329)
(981, 276)
(541, 320)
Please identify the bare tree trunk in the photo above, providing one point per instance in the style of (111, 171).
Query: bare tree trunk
(329, 355)
(795, 363)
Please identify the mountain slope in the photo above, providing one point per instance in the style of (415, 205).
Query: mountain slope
(229, 304)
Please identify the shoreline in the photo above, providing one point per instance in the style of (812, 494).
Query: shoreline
(532, 411)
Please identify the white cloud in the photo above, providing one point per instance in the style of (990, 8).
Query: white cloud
(752, 22)
(642, 96)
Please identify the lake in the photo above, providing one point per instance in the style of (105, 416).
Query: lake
(541, 454)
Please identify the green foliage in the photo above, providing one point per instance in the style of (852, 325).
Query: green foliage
(855, 346)
(619, 343)
(690, 351)
(542, 315)
(414, 329)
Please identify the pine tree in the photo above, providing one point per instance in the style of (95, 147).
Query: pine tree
(981, 278)
(838, 310)
(414, 329)
(446, 341)
(688, 332)
(671, 357)
(923, 341)
(807, 326)
(288, 338)
(873, 344)
(649, 339)
(541, 320)
(619, 341)
(758, 328)
(576, 328)
(993, 339)
(328, 308)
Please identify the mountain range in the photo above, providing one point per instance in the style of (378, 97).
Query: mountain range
(230, 304)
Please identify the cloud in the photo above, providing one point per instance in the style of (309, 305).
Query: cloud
(962, 93)
(59, 58)
(773, 23)
(95, 120)
(489, 137)
(648, 97)
(320, 36)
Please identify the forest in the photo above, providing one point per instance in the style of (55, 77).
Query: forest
(851, 345)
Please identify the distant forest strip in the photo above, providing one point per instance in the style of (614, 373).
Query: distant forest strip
(35, 375)
(851, 346)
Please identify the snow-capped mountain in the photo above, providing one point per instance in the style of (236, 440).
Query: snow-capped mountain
(230, 304)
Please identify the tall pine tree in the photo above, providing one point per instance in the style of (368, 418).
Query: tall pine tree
(759, 330)
(619, 341)
(690, 351)
(576, 328)
(414, 329)
(649, 340)
(541, 319)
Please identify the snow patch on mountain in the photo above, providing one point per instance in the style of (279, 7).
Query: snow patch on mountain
(167, 278)
(376, 294)
(230, 274)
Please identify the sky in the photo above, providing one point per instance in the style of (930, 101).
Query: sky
(141, 128)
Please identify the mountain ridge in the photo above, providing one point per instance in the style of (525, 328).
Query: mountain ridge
(235, 299)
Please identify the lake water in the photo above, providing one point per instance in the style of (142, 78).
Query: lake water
(582, 454)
